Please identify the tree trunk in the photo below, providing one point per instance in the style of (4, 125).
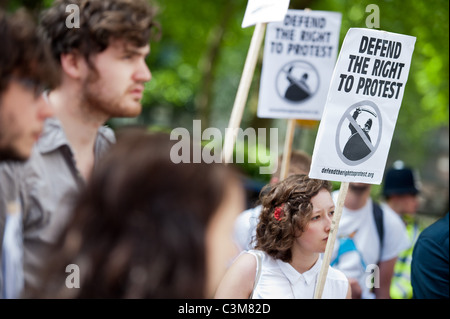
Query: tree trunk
(209, 63)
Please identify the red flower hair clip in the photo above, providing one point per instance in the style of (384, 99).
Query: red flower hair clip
(278, 212)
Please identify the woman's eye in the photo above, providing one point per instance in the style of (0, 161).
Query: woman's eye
(315, 217)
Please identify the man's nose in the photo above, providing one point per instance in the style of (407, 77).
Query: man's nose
(44, 108)
(328, 222)
(143, 73)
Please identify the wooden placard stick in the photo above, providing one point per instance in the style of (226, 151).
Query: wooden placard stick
(288, 144)
(331, 239)
(242, 93)
(287, 149)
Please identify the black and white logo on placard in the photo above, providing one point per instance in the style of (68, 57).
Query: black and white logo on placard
(359, 133)
(297, 81)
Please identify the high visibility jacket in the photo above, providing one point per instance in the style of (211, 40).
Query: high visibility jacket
(401, 281)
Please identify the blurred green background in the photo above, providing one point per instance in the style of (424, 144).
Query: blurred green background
(198, 62)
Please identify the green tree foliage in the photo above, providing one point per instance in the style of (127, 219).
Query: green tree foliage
(198, 63)
(195, 30)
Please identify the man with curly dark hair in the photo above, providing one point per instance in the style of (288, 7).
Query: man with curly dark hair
(103, 72)
(291, 234)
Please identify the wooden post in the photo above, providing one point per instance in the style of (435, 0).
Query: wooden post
(287, 149)
(331, 239)
(242, 93)
(288, 144)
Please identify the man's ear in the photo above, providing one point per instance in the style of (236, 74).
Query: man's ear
(74, 65)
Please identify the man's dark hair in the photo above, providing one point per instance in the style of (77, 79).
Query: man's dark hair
(24, 55)
(100, 22)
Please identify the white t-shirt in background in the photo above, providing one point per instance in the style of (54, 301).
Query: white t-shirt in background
(245, 228)
(358, 243)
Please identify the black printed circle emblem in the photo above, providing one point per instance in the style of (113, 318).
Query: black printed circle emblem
(358, 133)
(297, 81)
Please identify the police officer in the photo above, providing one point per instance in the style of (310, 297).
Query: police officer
(401, 193)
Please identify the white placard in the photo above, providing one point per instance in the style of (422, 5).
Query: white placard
(299, 56)
(261, 11)
(365, 96)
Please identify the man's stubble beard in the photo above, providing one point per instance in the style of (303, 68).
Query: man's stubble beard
(8, 152)
(94, 102)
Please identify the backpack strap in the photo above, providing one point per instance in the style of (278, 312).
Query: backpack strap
(378, 216)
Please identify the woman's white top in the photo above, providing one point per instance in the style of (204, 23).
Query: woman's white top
(279, 280)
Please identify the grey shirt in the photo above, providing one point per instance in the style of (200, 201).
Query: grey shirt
(49, 187)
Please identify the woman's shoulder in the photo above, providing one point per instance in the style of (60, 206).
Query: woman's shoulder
(246, 263)
(264, 257)
(239, 278)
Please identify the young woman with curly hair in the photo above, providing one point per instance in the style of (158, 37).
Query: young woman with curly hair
(292, 232)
